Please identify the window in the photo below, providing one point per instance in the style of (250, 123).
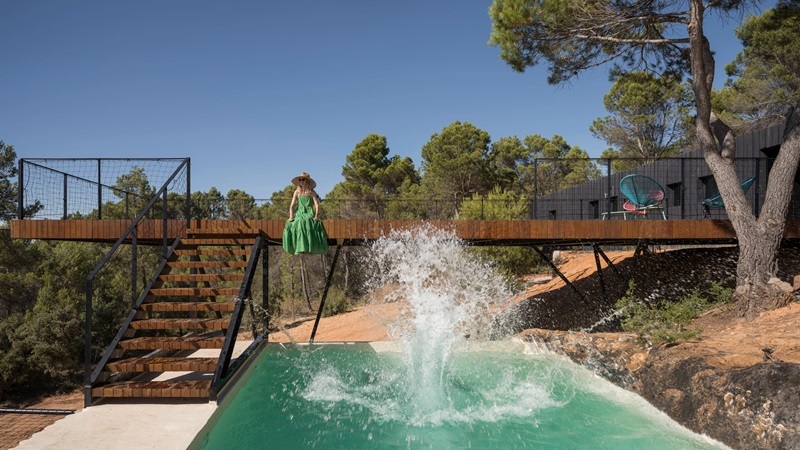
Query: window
(552, 214)
(676, 192)
(594, 209)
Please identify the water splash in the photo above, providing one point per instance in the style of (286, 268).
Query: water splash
(448, 295)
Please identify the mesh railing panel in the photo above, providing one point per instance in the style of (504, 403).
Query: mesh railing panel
(96, 188)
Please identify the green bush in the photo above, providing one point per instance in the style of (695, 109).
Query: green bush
(666, 321)
(336, 303)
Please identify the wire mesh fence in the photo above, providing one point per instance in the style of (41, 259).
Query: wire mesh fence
(578, 189)
(546, 189)
(98, 188)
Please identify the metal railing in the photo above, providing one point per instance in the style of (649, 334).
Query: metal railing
(221, 373)
(116, 254)
(549, 189)
(93, 188)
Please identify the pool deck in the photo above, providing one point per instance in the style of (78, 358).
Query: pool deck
(168, 424)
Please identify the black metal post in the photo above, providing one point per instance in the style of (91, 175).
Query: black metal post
(164, 223)
(608, 180)
(87, 351)
(561, 275)
(324, 294)
(127, 206)
(189, 193)
(610, 264)
(683, 188)
(595, 247)
(134, 268)
(65, 197)
(535, 187)
(20, 190)
(265, 287)
(99, 191)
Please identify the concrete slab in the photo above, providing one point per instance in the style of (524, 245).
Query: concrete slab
(132, 424)
(125, 426)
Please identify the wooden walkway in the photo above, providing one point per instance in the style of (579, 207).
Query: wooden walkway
(476, 232)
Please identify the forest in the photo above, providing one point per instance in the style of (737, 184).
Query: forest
(463, 174)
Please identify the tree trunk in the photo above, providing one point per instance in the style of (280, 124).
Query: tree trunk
(759, 238)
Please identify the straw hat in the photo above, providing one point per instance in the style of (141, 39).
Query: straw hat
(311, 183)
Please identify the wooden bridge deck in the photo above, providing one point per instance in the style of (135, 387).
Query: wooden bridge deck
(478, 232)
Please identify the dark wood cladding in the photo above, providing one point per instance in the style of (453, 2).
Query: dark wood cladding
(477, 232)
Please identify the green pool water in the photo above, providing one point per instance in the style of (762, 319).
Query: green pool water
(353, 397)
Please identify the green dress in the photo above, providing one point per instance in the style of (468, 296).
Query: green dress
(304, 234)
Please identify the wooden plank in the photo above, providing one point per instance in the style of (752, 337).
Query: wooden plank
(175, 343)
(202, 277)
(180, 324)
(570, 230)
(163, 365)
(155, 389)
(193, 291)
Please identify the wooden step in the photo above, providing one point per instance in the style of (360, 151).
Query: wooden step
(187, 306)
(165, 292)
(172, 343)
(198, 277)
(212, 252)
(155, 389)
(214, 241)
(163, 365)
(205, 264)
(180, 324)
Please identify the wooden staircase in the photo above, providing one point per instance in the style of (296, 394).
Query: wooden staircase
(187, 310)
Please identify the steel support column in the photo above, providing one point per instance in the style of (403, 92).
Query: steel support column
(265, 289)
(596, 248)
(610, 264)
(134, 266)
(561, 275)
(20, 190)
(325, 292)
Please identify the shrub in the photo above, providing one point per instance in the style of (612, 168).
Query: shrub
(336, 303)
(666, 321)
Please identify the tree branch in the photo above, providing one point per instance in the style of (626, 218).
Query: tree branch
(724, 137)
(630, 41)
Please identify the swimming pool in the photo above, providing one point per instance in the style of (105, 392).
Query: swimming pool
(491, 395)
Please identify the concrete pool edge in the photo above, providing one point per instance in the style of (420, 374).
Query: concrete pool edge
(229, 391)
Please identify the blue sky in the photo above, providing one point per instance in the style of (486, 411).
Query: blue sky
(257, 91)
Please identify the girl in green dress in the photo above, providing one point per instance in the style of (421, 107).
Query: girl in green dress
(303, 232)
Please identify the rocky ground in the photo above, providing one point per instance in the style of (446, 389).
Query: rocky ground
(739, 382)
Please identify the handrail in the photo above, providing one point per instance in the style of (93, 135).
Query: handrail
(113, 188)
(107, 354)
(88, 375)
(98, 369)
(233, 328)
